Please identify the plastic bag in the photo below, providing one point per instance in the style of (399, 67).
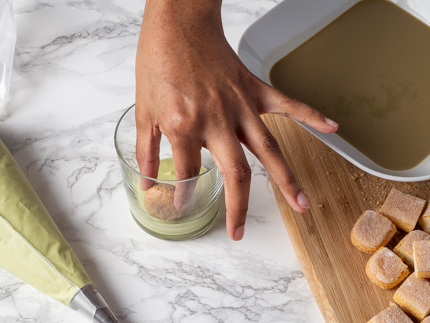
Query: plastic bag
(7, 51)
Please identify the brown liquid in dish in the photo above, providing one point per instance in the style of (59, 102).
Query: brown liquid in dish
(369, 70)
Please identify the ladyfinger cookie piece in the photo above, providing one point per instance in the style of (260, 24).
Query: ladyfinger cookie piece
(404, 248)
(424, 220)
(386, 269)
(402, 209)
(372, 231)
(414, 296)
(392, 314)
(422, 258)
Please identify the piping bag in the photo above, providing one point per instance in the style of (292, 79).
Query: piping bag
(33, 248)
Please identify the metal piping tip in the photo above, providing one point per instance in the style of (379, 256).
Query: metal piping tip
(104, 315)
(91, 304)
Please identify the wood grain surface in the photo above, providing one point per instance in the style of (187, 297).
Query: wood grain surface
(338, 192)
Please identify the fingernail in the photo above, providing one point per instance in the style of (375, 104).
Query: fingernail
(331, 123)
(239, 232)
(302, 200)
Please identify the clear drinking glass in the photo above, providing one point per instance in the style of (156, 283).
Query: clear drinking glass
(153, 209)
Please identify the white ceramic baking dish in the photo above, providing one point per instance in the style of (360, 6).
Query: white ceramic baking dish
(289, 25)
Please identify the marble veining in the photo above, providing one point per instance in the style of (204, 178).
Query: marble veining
(77, 77)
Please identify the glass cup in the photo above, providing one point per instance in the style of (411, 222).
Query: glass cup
(154, 209)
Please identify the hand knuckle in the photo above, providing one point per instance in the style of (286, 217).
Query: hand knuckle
(140, 155)
(217, 116)
(291, 179)
(241, 172)
(312, 114)
(287, 182)
(288, 100)
(182, 123)
(145, 156)
(188, 172)
(306, 120)
(146, 151)
(179, 120)
(268, 143)
(239, 215)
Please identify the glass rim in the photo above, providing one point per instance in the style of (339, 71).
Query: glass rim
(139, 173)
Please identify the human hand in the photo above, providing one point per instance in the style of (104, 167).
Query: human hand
(192, 87)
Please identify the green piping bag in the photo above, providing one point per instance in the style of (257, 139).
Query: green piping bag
(33, 248)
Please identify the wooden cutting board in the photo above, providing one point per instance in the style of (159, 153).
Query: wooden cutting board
(338, 192)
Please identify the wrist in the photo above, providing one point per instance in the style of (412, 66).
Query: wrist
(183, 14)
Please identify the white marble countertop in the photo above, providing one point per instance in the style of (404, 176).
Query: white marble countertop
(77, 64)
